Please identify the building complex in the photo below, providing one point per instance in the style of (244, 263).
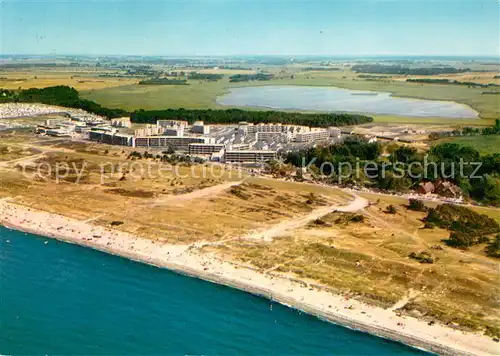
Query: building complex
(242, 143)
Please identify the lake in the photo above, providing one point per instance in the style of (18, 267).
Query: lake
(333, 99)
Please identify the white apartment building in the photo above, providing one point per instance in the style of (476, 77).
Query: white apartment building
(313, 135)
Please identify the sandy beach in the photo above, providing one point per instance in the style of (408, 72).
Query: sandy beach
(313, 299)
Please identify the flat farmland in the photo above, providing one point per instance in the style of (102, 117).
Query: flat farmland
(78, 79)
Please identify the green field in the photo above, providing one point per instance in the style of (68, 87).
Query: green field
(202, 94)
(484, 144)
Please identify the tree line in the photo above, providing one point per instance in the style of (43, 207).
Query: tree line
(479, 179)
(205, 76)
(232, 116)
(250, 77)
(60, 96)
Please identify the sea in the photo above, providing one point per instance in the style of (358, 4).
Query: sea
(59, 298)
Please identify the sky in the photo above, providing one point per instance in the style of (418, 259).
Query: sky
(244, 27)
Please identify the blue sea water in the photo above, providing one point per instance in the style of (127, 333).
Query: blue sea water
(58, 298)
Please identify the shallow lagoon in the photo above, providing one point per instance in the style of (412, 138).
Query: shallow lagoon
(337, 99)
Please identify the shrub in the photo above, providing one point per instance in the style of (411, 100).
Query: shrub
(493, 248)
(460, 218)
(416, 205)
(391, 209)
(422, 257)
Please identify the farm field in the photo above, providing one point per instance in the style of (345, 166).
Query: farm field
(76, 78)
(204, 94)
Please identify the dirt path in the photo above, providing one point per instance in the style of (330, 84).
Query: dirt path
(280, 229)
(201, 193)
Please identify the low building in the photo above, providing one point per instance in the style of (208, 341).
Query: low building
(334, 132)
(249, 156)
(426, 188)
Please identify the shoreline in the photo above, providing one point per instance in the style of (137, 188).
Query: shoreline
(305, 297)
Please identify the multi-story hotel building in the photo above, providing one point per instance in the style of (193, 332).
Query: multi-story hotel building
(249, 156)
(204, 148)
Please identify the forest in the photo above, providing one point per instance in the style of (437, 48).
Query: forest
(406, 168)
(232, 116)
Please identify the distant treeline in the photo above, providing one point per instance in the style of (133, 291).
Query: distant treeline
(61, 96)
(368, 76)
(232, 116)
(205, 76)
(450, 81)
(249, 77)
(163, 81)
(320, 69)
(400, 70)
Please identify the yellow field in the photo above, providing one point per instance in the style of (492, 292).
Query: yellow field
(80, 80)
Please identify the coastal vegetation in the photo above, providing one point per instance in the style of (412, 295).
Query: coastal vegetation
(468, 228)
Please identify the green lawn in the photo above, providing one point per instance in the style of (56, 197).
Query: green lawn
(484, 144)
